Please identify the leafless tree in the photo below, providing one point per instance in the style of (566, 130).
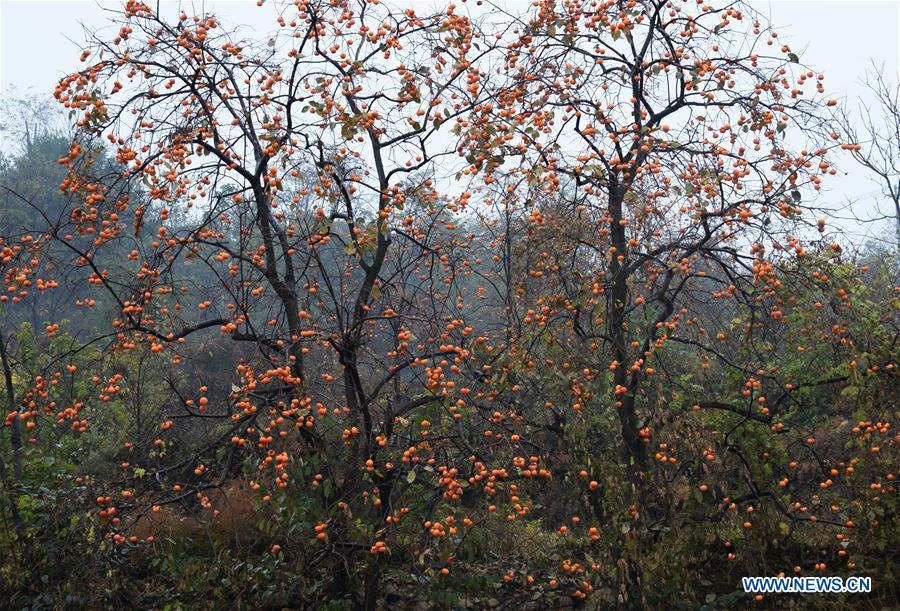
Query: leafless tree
(875, 128)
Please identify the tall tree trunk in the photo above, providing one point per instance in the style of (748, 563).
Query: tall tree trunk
(628, 568)
(636, 452)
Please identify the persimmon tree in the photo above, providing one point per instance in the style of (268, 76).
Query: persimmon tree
(298, 173)
(445, 294)
(663, 151)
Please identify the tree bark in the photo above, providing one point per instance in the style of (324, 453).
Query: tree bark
(636, 453)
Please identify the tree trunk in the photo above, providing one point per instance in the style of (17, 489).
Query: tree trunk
(373, 584)
(635, 451)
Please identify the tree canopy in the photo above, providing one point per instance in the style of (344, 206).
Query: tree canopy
(441, 306)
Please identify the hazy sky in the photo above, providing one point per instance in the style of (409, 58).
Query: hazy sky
(39, 43)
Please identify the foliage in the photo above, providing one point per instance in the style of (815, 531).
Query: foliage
(462, 309)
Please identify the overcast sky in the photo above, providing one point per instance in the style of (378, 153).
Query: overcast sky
(40, 42)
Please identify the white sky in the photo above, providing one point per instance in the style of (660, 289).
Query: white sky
(39, 43)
